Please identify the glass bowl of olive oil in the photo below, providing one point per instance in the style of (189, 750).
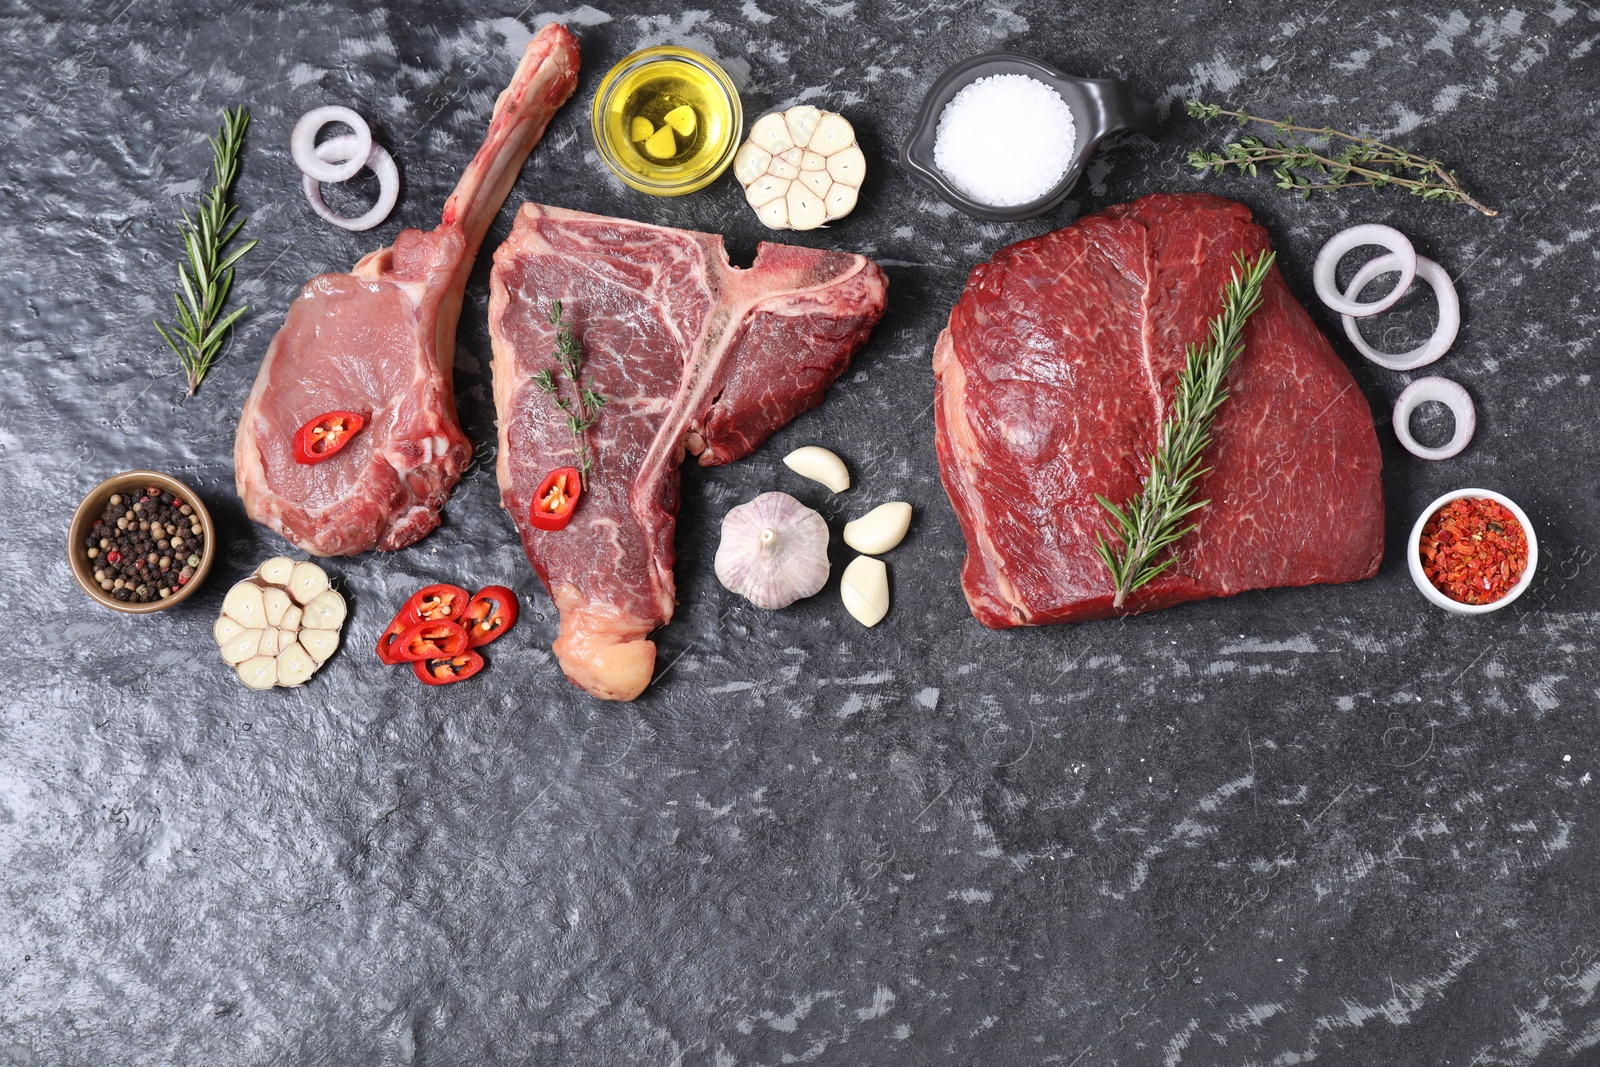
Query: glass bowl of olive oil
(667, 120)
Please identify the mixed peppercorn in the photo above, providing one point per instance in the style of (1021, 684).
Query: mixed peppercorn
(145, 545)
(1473, 550)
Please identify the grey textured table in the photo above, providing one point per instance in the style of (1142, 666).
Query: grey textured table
(1329, 825)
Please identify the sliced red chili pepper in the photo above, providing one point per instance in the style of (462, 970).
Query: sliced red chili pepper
(386, 644)
(444, 670)
(434, 602)
(492, 612)
(325, 435)
(557, 495)
(429, 640)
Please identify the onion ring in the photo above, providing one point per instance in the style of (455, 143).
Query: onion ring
(1327, 265)
(1451, 396)
(1444, 334)
(382, 164)
(312, 163)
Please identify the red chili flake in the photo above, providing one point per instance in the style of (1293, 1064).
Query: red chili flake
(1473, 550)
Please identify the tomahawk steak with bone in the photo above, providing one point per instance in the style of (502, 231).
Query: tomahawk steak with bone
(381, 341)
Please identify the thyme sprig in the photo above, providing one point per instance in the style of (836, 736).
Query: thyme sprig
(582, 409)
(1147, 526)
(1329, 160)
(198, 333)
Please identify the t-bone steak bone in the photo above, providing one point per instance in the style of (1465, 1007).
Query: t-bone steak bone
(381, 340)
(692, 355)
(1052, 379)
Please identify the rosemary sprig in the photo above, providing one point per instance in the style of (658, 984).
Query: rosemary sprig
(198, 333)
(581, 411)
(1156, 519)
(1322, 165)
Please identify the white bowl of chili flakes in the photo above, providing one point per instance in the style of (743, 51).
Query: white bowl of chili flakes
(1472, 551)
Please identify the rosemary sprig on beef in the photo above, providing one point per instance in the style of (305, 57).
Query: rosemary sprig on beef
(582, 409)
(1146, 528)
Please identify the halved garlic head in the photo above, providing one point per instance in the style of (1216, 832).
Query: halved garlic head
(267, 636)
(774, 551)
(800, 168)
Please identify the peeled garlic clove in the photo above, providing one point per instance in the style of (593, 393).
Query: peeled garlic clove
(663, 144)
(640, 129)
(681, 118)
(774, 551)
(805, 156)
(307, 582)
(750, 163)
(820, 465)
(880, 529)
(244, 605)
(319, 644)
(295, 665)
(805, 208)
(276, 571)
(242, 646)
(260, 672)
(326, 612)
(864, 588)
(225, 629)
(771, 133)
(276, 602)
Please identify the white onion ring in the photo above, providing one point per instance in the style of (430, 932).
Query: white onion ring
(1323, 272)
(1444, 334)
(312, 163)
(382, 164)
(1451, 396)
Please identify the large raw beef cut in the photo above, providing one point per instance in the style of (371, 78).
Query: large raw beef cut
(381, 341)
(1052, 380)
(693, 355)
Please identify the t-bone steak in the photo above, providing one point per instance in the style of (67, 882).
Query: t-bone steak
(381, 341)
(1052, 380)
(692, 355)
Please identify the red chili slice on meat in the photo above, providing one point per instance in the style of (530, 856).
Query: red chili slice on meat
(325, 435)
(492, 612)
(447, 669)
(430, 640)
(556, 497)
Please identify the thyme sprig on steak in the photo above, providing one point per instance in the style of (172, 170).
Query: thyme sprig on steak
(1147, 527)
(1326, 159)
(198, 333)
(584, 409)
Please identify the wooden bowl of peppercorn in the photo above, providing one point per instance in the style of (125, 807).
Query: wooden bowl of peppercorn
(105, 555)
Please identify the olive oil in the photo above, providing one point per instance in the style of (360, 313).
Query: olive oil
(667, 120)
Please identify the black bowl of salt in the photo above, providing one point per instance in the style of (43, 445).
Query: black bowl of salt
(1004, 137)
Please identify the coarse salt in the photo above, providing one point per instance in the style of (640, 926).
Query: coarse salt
(1005, 140)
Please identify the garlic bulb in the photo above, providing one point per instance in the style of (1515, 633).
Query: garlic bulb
(774, 551)
(800, 168)
(278, 626)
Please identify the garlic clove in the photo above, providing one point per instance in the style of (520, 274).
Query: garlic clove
(805, 208)
(774, 551)
(833, 134)
(244, 605)
(864, 588)
(782, 170)
(765, 190)
(242, 646)
(774, 216)
(320, 644)
(840, 202)
(308, 581)
(277, 604)
(880, 529)
(750, 163)
(291, 618)
(225, 629)
(802, 123)
(326, 612)
(818, 182)
(813, 161)
(848, 166)
(820, 465)
(276, 571)
(271, 641)
(681, 119)
(260, 672)
(663, 144)
(641, 129)
(771, 133)
(295, 665)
